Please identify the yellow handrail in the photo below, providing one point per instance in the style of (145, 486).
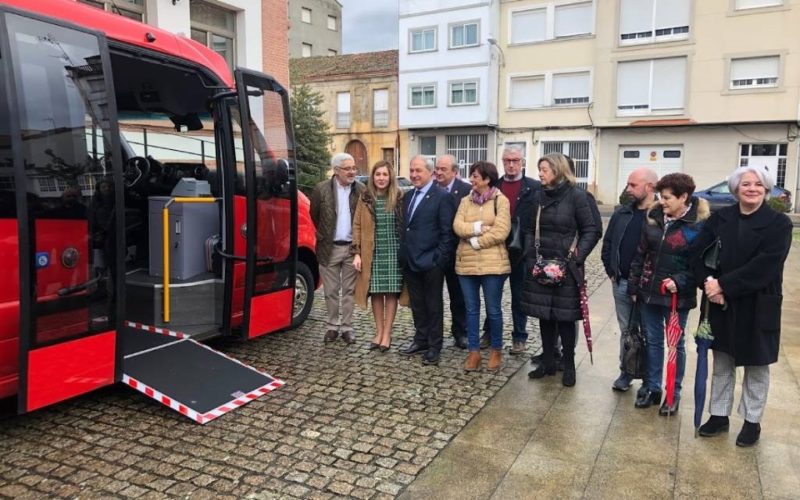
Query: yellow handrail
(165, 241)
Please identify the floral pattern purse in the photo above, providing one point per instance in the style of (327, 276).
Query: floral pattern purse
(551, 271)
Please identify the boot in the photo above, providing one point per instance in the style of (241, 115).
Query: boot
(473, 362)
(495, 360)
(714, 426)
(749, 434)
(568, 378)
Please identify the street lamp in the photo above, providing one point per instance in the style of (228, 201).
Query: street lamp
(493, 41)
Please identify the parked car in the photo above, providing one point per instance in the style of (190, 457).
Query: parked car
(403, 183)
(719, 196)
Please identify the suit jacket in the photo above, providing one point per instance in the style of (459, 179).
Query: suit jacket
(427, 239)
(460, 190)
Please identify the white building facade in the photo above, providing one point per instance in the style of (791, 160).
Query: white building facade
(448, 76)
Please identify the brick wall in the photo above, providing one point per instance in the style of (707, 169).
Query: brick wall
(275, 33)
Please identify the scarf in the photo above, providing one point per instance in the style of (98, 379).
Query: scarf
(669, 220)
(480, 199)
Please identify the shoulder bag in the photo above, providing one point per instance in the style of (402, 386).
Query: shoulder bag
(551, 271)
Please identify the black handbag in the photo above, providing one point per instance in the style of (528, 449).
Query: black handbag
(550, 271)
(634, 349)
(711, 255)
(515, 239)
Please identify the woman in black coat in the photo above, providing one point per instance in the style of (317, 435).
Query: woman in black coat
(743, 282)
(566, 219)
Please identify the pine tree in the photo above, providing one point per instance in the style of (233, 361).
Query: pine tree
(311, 136)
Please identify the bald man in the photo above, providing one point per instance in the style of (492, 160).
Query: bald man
(619, 248)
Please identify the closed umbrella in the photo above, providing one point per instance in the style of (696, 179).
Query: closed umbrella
(587, 327)
(703, 339)
(673, 333)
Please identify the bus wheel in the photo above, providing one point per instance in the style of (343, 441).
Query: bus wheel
(303, 294)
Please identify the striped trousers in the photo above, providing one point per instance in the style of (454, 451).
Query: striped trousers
(755, 387)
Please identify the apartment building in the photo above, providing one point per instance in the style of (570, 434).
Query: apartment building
(315, 28)
(676, 85)
(360, 101)
(448, 78)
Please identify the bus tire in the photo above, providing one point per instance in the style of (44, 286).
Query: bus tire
(303, 294)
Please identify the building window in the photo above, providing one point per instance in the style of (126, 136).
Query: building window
(755, 72)
(423, 40)
(332, 52)
(654, 86)
(332, 23)
(343, 110)
(464, 35)
(380, 108)
(214, 27)
(305, 15)
(771, 157)
(132, 9)
(307, 50)
(427, 147)
(756, 4)
(550, 89)
(649, 21)
(423, 96)
(463, 93)
(550, 22)
(467, 148)
(578, 151)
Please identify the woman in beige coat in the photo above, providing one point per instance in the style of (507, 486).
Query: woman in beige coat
(376, 239)
(482, 224)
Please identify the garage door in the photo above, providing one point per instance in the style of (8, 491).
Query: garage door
(662, 159)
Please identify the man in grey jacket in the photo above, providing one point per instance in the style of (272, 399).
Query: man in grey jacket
(333, 204)
(619, 248)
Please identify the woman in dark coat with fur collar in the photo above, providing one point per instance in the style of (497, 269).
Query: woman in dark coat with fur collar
(662, 262)
(745, 291)
(566, 216)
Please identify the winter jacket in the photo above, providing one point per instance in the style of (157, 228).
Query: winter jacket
(492, 256)
(613, 238)
(664, 254)
(528, 196)
(565, 214)
(750, 271)
(364, 240)
(323, 213)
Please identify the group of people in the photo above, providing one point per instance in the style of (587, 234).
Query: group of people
(657, 248)
(379, 246)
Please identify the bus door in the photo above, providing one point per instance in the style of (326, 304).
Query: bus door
(65, 166)
(265, 206)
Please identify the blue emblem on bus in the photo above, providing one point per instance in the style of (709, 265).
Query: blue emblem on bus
(42, 259)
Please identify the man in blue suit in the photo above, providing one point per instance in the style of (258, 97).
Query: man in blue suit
(426, 249)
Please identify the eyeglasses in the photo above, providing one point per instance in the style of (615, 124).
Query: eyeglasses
(512, 160)
(348, 169)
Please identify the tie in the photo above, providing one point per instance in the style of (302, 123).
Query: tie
(411, 205)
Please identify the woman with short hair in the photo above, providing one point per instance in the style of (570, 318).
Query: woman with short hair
(660, 269)
(738, 259)
(568, 231)
(482, 224)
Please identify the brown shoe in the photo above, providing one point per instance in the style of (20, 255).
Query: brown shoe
(473, 362)
(495, 360)
(331, 335)
(348, 338)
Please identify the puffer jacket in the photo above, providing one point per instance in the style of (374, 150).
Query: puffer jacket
(492, 256)
(323, 213)
(566, 212)
(664, 253)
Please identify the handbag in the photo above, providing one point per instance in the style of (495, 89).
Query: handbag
(711, 255)
(634, 352)
(515, 239)
(550, 271)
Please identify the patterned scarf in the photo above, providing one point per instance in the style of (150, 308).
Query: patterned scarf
(480, 199)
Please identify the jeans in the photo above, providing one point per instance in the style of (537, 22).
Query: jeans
(654, 320)
(623, 304)
(516, 281)
(492, 285)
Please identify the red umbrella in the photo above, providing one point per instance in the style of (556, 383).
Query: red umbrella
(587, 328)
(673, 333)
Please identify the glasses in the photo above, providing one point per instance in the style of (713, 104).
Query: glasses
(348, 169)
(512, 160)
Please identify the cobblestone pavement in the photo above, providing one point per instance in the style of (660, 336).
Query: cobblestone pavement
(349, 422)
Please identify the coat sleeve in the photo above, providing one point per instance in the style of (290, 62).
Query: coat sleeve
(501, 227)
(461, 227)
(355, 247)
(447, 210)
(588, 233)
(706, 237)
(605, 250)
(637, 263)
(316, 201)
(765, 267)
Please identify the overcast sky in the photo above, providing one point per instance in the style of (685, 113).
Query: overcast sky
(369, 25)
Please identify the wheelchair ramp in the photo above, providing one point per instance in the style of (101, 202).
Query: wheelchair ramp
(189, 377)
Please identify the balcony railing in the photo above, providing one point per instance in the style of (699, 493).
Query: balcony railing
(381, 118)
(342, 120)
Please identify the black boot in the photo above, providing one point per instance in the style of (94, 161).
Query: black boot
(541, 371)
(715, 426)
(568, 378)
(749, 434)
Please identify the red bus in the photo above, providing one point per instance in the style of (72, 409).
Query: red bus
(147, 201)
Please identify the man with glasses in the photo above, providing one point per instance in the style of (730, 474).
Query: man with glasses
(333, 204)
(523, 193)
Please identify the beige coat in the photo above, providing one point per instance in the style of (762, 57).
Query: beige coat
(364, 242)
(492, 257)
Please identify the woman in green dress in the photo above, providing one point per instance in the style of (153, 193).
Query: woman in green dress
(376, 238)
